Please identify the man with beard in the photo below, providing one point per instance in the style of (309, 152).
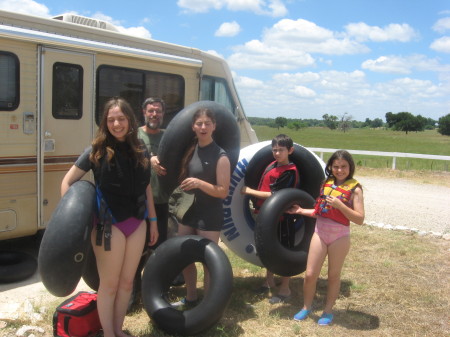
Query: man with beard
(153, 109)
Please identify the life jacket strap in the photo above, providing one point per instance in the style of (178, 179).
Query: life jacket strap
(104, 226)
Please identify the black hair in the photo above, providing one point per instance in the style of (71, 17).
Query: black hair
(283, 140)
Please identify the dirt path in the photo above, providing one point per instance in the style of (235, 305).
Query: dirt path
(401, 202)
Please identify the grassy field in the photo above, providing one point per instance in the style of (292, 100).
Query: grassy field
(427, 142)
(393, 284)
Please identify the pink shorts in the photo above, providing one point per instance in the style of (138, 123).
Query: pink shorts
(329, 230)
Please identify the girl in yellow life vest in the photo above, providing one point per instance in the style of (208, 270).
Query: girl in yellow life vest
(340, 202)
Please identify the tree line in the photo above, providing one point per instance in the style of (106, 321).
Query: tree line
(402, 121)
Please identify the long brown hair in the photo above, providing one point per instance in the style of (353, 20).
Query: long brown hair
(104, 143)
(190, 151)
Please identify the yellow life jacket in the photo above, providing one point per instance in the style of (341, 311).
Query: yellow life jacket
(343, 192)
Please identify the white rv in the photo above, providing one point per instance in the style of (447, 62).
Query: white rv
(55, 75)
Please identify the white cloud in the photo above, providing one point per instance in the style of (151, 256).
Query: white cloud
(275, 8)
(392, 32)
(442, 25)
(25, 6)
(404, 64)
(288, 44)
(312, 94)
(136, 31)
(139, 31)
(307, 36)
(385, 64)
(441, 45)
(215, 53)
(412, 88)
(257, 55)
(228, 29)
(247, 82)
(304, 92)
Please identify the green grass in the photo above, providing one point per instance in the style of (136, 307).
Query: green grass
(427, 142)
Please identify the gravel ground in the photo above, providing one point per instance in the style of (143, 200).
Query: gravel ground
(401, 202)
(388, 202)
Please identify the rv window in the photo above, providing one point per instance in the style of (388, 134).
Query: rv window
(135, 85)
(67, 91)
(9, 81)
(216, 89)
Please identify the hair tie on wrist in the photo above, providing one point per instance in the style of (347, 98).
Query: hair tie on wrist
(153, 219)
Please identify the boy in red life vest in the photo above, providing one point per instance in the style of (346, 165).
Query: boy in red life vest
(279, 174)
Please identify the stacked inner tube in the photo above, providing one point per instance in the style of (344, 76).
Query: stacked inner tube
(238, 232)
(66, 241)
(274, 256)
(179, 135)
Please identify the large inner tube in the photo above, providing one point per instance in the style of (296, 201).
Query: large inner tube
(66, 240)
(239, 224)
(168, 260)
(16, 266)
(90, 273)
(179, 136)
(276, 257)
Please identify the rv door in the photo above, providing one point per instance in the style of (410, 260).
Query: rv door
(65, 120)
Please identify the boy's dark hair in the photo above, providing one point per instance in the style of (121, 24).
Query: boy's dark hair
(283, 140)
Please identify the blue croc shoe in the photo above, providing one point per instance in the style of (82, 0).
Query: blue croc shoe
(325, 319)
(301, 315)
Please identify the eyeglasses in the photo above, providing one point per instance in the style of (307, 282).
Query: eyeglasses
(281, 149)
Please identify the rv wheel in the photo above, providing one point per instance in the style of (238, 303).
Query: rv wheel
(16, 266)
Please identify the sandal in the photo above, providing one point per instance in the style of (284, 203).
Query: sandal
(325, 319)
(279, 299)
(302, 314)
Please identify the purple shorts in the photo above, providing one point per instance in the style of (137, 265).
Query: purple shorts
(128, 226)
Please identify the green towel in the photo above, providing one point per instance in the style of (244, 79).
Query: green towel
(179, 203)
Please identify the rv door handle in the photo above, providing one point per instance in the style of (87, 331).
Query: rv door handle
(47, 134)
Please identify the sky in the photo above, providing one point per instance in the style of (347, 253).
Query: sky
(301, 58)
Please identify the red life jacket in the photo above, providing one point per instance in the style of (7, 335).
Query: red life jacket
(343, 192)
(270, 178)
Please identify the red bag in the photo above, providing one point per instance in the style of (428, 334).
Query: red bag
(77, 316)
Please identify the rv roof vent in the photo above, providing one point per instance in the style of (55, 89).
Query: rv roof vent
(82, 20)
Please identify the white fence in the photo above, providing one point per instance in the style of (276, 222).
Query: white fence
(394, 155)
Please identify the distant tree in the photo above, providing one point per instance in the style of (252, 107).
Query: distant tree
(376, 123)
(330, 121)
(281, 122)
(405, 121)
(346, 122)
(297, 125)
(444, 125)
(367, 123)
(391, 119)
(272, 124)
(431, 124)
